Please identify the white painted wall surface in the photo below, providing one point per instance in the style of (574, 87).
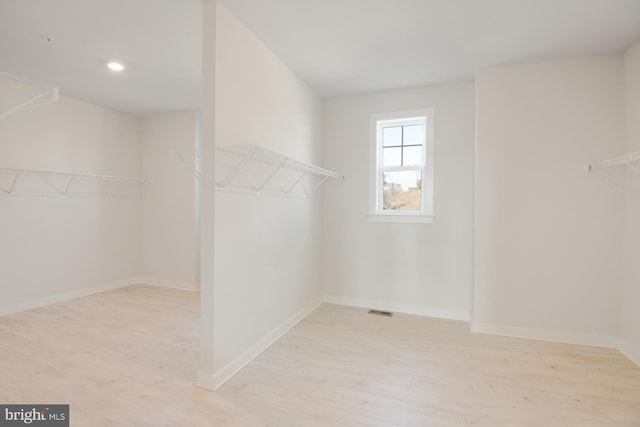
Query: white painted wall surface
(548, 237)
(206, 195)
(630, 309)
(267, 248)
(56, 247)
(419, 268)
(169, 228)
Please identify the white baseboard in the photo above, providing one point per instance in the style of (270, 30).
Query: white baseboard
(206, 380)
(187, 286)
(544, 335)
(79, 293)
(230, 369)
(631, 351)
(441, 313)
(61, 297)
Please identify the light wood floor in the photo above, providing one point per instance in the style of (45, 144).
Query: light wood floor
(121, 358)
(343, 367)
(128, 358)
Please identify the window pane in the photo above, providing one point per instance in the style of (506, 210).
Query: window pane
(392, 136)
(413, 135)
(391, 156)
(412, 156)
(401, 190)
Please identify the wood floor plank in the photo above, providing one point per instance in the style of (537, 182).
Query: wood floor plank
(366, 370)
(128, 358)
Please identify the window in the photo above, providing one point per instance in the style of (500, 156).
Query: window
(402, 166)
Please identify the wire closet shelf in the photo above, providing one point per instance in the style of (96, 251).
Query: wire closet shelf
(29, 182)
(19, 94)
(622, 173)
(249, 168)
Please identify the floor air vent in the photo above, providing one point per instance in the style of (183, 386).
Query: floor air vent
(381, 313)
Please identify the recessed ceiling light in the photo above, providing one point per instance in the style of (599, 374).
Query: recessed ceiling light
(115, 66)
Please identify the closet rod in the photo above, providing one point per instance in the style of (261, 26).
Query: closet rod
(76, 175)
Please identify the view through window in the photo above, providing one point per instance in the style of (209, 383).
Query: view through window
(403, 152)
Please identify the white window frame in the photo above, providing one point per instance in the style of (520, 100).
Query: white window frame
(425, 116)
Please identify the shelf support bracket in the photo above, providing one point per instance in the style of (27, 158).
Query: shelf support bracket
(31, 102)
(13, 184)
(302, 175)
(237, 168)
(634, 168)
(66, 189)
(190, 165)
(275, 171)
(324, 178)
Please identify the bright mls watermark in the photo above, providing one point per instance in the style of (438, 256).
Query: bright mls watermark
(34, 415)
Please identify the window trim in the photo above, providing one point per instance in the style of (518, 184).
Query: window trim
(376, 213)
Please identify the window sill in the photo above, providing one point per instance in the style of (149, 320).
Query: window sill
(402, 219)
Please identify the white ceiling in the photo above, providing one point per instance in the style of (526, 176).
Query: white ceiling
(340, 47)
(158, 40)
(346, 47)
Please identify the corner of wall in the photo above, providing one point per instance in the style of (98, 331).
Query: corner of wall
(173, 284)
(224, 374)
(544, 335)
(64, 296)
(632, 352)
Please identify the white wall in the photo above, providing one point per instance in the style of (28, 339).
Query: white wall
(419, 268)
(56, 247)
(548, 236)
(206, 196)
(267, 248)
(630, 309)
(169, 228)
